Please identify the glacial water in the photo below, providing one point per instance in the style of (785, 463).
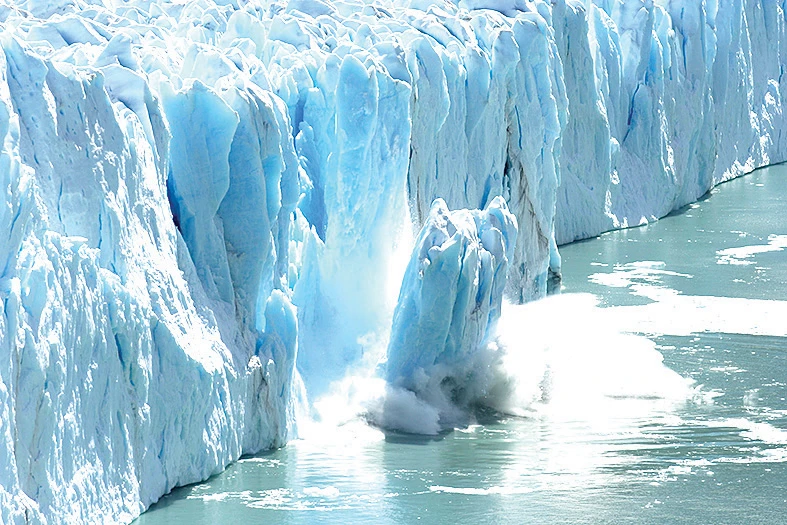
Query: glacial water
(708, 285)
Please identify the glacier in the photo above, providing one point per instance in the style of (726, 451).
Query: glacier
(207, 203)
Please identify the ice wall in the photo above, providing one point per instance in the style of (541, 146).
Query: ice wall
(143, 346)
(666, 99)
(203, 200)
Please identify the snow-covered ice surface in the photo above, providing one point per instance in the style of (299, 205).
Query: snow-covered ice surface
(204, 202)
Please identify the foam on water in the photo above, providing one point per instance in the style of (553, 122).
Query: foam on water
(745, 254)
(469, 491)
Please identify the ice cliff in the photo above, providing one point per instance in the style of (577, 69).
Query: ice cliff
(203, 201)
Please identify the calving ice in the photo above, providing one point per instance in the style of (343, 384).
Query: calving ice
(205, 204)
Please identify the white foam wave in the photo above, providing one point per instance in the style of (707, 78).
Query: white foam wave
(565, 354)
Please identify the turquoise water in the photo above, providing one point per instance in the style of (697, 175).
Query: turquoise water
(707, 285)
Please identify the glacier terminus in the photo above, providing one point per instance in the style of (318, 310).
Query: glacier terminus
(214, 210)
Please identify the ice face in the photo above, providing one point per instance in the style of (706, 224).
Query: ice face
(452, 290)
(683, 96)
(450, 299)
(204, 202)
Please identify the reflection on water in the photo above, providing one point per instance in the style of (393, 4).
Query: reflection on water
(708, 287)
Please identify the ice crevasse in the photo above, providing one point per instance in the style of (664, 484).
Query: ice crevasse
(202, 202)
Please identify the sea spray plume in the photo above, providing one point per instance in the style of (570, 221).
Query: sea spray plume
(449, 302)
(536, 366)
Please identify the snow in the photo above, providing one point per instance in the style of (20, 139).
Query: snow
(209, 205)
